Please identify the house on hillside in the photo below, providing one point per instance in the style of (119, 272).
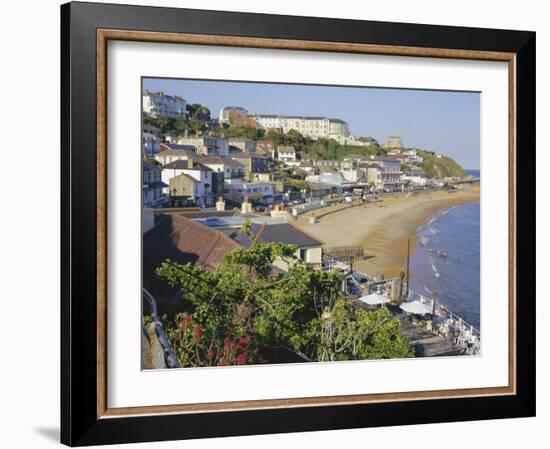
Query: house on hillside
(390, 171)
(266, 148)
(252, 162)
(286, 153)
(205, 194)
(231, 168)
(257, 192)
(152, 189)
(169, 152)
(309, 248)
(184, 190)
(158, 104)
(243, 144)
(206, 145)
(150, 140)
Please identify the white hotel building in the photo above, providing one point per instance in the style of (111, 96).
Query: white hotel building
(313, 127)
(157, 104)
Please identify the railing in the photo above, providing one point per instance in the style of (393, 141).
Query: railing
(306, 207)
(465, 333)
(330, 263)
(169, 356)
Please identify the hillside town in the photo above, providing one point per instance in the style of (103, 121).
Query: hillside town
(199, 169)
(215, 185)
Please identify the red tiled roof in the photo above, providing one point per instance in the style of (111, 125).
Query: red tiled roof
(196, 243)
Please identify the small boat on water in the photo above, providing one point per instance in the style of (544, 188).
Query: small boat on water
(438, 253)
(441, 254)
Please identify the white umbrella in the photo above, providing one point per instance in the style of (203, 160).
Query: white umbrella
(415, 307)
(374, 299)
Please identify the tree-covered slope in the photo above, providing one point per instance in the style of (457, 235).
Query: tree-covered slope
(439, 167)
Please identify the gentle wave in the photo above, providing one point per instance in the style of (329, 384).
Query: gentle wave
(453, 273)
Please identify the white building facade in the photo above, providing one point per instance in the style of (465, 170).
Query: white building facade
(314, 127)
(258, 192)
(202, 174)
(158, 104)
(286, 153)
(230, 168)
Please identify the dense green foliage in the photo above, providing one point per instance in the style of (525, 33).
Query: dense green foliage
(242, 313)
(435, 167)
(198, 112)
(324, 149)
(174, 127)
(248, 132)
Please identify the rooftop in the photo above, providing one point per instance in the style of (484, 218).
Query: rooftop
(181, 240)
(147, 166)
(161, 94)
(218, 221)
(184, 165)
(188, 177)
(247, 156)
(299, 117)
(175, 149)
(276, 233)
(385, 159)
(234, 108)
(205, 160)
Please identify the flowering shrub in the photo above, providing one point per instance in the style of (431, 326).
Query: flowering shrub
(243, 313)
(196, 346)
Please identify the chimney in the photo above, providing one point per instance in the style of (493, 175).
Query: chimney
(220, 204)
(246, 207)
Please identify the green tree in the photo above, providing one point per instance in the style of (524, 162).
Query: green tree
(197, 110)
(299, 316)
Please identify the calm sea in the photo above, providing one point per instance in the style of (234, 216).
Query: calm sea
(455, 278)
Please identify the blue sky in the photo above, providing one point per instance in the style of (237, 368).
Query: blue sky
(442, 121)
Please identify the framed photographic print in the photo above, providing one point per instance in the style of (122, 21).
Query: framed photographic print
(280, 224)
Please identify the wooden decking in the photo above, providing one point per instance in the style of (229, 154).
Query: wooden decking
(425, 343)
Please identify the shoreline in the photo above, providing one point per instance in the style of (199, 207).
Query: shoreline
(383, 228)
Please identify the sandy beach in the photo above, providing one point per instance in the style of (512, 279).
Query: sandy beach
(383, 228)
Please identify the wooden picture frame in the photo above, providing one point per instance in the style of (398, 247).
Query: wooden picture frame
(86, 29)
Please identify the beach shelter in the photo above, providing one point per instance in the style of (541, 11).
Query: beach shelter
(416, 307)
(374, 299)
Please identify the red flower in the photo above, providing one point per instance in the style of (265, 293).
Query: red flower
(220, 354)
(186, 321)
(210, 355)
(244, 342)
(241, 359)
(228, 345)
(198, 334)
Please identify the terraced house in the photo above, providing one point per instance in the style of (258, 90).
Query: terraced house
(158, 104)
